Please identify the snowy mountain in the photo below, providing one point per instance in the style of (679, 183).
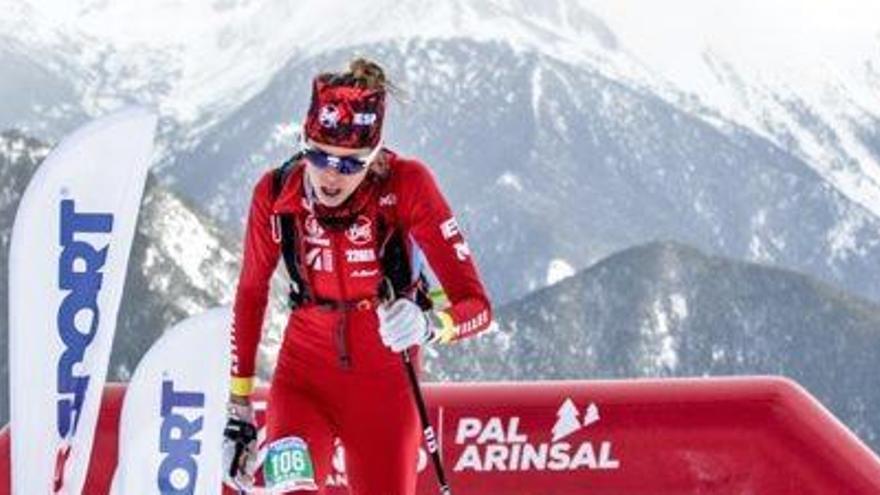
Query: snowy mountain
(735, 128)
(801, 74)
(544, 150)
(214, 55)
(665, 309)
(657, 310)
(562, 131)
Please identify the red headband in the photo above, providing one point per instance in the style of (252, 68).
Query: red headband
(345, 116)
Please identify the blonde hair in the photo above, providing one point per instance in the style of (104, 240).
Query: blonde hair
(363, 73)
(367, 74)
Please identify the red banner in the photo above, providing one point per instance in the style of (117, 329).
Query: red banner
(719, 436)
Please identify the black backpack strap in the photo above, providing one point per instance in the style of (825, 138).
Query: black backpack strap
(398, 271)
(298, 292)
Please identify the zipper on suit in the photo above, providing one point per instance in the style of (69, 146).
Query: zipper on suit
(342, 326)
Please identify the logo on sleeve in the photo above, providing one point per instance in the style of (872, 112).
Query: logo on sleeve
(462, 250)
(449, 228)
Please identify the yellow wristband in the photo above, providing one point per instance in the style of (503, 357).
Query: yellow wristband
(242, 386)
(445, 331)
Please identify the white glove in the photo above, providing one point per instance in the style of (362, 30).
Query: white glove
(240, 429)
(402, 324)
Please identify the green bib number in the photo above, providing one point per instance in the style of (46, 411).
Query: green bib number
(288, 465)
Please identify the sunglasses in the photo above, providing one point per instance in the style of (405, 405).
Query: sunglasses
(345, 165)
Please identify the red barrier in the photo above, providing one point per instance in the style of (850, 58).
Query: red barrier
(686, 436)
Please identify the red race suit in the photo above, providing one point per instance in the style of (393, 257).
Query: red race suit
(334, 377)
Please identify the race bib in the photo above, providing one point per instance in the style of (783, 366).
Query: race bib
(288, 466)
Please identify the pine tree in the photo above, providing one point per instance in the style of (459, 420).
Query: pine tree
(568, 422)
(592, 414)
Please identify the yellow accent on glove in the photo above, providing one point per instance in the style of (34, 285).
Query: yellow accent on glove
(242, 386)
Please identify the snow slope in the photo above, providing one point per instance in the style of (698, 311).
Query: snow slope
(763, 65)
(800, 75)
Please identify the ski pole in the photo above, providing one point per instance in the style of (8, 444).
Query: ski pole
(427, 428)
(387, 294)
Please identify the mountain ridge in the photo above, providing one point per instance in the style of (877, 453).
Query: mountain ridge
(668, 310)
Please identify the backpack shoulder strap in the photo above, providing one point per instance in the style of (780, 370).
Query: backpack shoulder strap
(299, 292)
(398, 270)
(281, 174)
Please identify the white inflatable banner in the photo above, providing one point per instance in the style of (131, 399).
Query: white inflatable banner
(67, 263)
(171, 426)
